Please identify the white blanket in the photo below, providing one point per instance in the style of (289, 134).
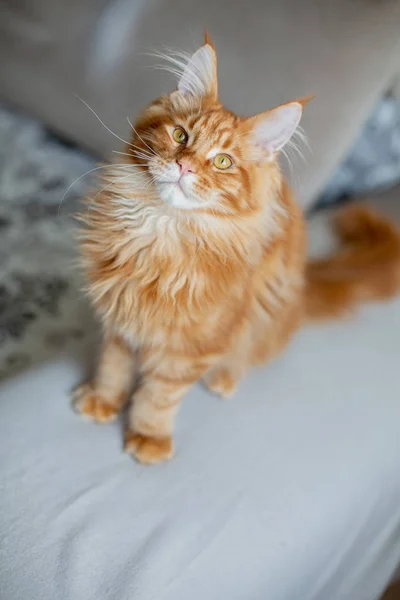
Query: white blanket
(289, 491)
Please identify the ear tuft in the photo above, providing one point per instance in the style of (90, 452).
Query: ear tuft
(273, 129)
(199, 77)
(305, 100)
(208, 40)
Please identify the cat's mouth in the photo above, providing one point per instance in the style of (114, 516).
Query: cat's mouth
(173, 192)
(173, 182)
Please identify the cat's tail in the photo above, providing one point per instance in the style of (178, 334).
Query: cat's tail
(365, 268)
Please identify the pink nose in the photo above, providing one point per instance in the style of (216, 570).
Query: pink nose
(185, 167)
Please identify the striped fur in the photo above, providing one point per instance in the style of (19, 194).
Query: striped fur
(195, 276)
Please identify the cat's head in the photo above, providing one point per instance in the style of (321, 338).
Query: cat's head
(199, 154)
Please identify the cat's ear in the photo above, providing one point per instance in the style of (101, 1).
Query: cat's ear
(199, 77)
(271, 130)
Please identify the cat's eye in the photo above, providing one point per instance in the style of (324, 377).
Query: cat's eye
(180, 136)
(222, 161)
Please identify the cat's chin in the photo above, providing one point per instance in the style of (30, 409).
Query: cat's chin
(173, 194)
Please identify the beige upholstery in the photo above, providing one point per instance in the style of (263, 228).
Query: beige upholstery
(271, 51)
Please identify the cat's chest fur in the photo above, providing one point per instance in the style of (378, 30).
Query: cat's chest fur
(159, 281)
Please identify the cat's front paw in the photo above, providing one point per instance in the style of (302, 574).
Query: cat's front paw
(221, 382)
(92, 406)
(149, 450)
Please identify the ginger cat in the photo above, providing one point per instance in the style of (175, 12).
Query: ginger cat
(195, 257)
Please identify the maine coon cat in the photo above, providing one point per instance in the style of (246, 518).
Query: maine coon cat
(194, 251)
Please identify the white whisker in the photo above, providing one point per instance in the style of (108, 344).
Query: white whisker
(138, 149)
(132, 127)
(144, 151)
(142, 156)
(120, 166)
(102, 122)
(131, 154)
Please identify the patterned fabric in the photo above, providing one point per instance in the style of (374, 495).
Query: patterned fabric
(373, 162)
(42, 310)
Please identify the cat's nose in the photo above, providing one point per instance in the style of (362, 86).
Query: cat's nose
(185, 167)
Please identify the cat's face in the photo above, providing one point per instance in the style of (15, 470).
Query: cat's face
(198, 160)
(199, 155)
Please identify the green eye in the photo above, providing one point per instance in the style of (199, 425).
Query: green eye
(180, 136)
(222, 161)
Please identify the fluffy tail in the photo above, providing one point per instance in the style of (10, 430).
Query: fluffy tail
(366, 268)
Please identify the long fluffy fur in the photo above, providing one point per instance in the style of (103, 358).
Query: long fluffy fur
(209, 292)
(366, 268)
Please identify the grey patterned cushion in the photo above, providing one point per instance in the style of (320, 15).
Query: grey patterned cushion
(42, 310)
(374, 160)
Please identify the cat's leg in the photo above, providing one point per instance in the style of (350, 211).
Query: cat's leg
(103, 398)
(223, 380)
(224, 376)
(155, 404)
(271, 339)
(258, 342)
